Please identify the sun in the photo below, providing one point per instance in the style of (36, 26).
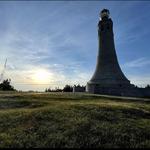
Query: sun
(41, 76)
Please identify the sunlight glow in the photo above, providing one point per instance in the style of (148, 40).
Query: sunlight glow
(41, 76)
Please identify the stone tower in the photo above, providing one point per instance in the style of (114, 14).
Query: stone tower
(108, 77)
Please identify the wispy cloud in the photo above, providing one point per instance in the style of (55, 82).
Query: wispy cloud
(59, 76)
(140, 81)
(140, 62)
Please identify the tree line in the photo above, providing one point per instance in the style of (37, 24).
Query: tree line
(66, 88)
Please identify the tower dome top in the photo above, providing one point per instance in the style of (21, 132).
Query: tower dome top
(104, 13)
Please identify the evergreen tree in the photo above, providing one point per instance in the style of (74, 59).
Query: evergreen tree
(5, 85)
(68, 88)
(148, 86)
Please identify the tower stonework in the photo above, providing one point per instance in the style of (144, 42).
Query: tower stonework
(108, 77)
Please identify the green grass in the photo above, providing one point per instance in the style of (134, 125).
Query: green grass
(73, 121)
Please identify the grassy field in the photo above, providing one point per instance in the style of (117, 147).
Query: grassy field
(73, 121)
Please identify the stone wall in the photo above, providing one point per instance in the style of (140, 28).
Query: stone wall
(130, 91)
(78, 89)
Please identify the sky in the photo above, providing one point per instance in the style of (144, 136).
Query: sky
(54, 43)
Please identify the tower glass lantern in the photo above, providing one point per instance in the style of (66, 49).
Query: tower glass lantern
(104, 14)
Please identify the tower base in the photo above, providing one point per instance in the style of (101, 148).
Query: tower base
(117, 90)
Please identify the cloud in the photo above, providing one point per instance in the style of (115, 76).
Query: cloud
(140, 62)
(59, 75)
(140, 81)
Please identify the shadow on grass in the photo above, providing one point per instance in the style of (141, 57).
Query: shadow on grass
(13, 104)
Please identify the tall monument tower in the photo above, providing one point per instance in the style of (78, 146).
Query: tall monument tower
(108, 77)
